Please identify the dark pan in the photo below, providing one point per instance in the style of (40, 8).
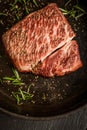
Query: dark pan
(62, 94)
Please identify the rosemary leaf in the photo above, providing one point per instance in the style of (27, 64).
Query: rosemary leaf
(16, 74)
(17, 84)
(34, 1)
(29, 87)
(8, 78)
(17, 98)
(75, 12)
(3, 14)
(78, 16)
(63, 10)
(15, 79)
(67, 3)
(13, 7)
(26, 9)
(22, 94)
(79, 8)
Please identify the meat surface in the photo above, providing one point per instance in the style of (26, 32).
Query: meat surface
(34, 38)
(63, 61)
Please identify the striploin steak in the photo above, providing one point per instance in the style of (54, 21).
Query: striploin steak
(38, 35)
(63, 61)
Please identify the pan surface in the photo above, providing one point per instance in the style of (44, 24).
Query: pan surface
(51, 96)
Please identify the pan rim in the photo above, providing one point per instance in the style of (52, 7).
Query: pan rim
(80, 105)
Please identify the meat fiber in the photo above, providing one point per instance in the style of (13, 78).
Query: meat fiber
(34, 38)
(63, 61)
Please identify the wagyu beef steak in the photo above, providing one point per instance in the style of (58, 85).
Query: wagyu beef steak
(61, 62)
(34, 38)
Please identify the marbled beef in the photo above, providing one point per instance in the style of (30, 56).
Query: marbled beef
(34, 38)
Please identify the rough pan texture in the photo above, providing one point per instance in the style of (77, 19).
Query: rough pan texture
(61, 62)
(34, 38)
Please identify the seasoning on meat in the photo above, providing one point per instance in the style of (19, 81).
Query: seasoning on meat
(63, 61)
(34, 38)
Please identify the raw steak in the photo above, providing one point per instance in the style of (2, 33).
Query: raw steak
(35, 37)
(61, 62)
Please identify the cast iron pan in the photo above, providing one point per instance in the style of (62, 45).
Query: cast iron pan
(62, 94)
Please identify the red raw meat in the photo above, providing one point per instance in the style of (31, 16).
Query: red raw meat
(34, 38)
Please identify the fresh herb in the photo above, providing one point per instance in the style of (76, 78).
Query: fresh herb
(16, 1)
(14, 80)
(34, 1)
(28, 88)
(67, 3)
(3, 14)
(16, 10)
(22, 95)
(76, 11)
(25, 3)
(19, 95)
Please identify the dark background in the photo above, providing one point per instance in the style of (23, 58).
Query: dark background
(76, 120)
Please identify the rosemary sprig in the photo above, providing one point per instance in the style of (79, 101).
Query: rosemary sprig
(22, 95)
(16, 74)
(79, 8)
(76, 11)
(19, 95)
(14, 80)
(15, 9)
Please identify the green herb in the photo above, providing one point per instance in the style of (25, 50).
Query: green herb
(34, 1)
(29, 87)
(16, 1)
(15, 79)
(16, 10)
(13, 7)
(3, 14)
(21, 96)
(16, 74)
(67, 3)
(79, 8)
(24, 2)
(16, 97)
(27, 10)
(76, 11)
